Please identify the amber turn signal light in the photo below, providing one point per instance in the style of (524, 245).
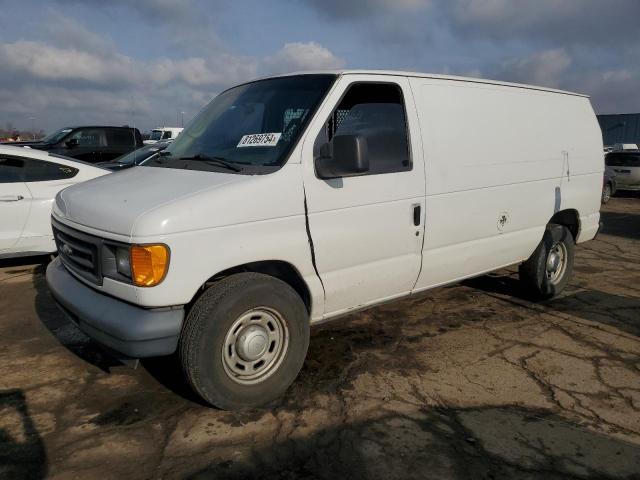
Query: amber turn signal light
(149, 264)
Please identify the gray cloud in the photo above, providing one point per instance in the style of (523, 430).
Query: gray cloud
(591, 46)
(180, 20)
(550, 21)
(67, 33)
(600, 23)
(301, 56)
(49, 64)
(612, 89)
(545, 68)
(584, 21)
(67, 72)
(358, 9)
(78, 76)
(165, 10)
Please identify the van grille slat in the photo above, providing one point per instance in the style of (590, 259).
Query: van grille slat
(79, 252)
(74, 244)
(81, 262)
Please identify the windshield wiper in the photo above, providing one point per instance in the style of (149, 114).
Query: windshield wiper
(216, 161)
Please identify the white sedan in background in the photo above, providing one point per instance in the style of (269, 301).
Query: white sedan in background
(29, 182)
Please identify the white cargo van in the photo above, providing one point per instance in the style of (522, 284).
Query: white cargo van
(163, 134)
(299, 198)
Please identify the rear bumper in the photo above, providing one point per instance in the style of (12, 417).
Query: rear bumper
(127, 329)
(590, 225)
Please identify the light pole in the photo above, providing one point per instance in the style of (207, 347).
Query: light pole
(182, 119)
(33, 127)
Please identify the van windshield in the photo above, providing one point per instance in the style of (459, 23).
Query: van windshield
(248, 129)
(56, 136)
(155, 135)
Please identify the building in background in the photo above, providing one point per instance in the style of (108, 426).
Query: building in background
(623, 128)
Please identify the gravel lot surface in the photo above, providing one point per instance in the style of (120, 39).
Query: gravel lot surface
(471, 381)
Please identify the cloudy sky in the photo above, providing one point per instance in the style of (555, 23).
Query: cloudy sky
(144, 61)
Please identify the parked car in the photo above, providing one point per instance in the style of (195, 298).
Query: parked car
(296, 199)
(609, 185)
(163, 133)
(135, 157)
(626, 165)
(624, 147)
(90, 144)
(29, 181)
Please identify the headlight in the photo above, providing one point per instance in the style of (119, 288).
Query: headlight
(149, 264)
(123, 261)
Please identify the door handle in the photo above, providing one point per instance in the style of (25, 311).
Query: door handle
(416, 215)
(11, 198)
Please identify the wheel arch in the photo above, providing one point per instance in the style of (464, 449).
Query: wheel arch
(568, 218)
(279, 269)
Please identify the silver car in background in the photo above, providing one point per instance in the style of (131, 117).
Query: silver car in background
(626, 165)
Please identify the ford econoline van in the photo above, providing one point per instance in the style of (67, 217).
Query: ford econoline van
(299, 198)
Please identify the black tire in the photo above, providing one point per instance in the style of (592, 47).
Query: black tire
(534, 274)
(606, 193)
(209, 322)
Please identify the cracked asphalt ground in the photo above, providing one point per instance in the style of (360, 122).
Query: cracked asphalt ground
(470, 381)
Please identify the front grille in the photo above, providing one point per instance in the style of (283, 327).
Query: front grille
(79, 252)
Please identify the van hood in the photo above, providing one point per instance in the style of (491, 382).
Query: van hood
(114, 203)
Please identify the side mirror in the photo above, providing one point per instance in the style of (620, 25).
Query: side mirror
(348, 159)
(71, 143)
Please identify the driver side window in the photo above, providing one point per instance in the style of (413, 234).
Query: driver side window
(89, 137)
(375, 112)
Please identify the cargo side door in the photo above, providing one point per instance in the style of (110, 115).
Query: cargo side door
(367, 230)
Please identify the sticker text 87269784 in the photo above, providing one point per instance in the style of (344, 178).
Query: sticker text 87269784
(259, 140)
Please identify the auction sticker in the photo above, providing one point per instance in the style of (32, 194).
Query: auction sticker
(259, 140)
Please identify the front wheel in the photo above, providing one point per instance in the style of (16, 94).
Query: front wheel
(547, 271)
(244, 341)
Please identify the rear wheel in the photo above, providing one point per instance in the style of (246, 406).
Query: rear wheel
(244, 341)
(547, 271)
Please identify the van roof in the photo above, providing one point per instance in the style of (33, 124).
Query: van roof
(429, 75)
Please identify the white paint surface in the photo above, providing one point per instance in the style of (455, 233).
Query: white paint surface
(492, 163)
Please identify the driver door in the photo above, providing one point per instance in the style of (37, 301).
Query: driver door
(367, 229)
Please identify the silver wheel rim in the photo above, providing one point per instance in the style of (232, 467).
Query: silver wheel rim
(607, 193)
(255, 345)
(556, 263)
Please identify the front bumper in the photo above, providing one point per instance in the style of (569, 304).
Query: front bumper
(127, 329)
